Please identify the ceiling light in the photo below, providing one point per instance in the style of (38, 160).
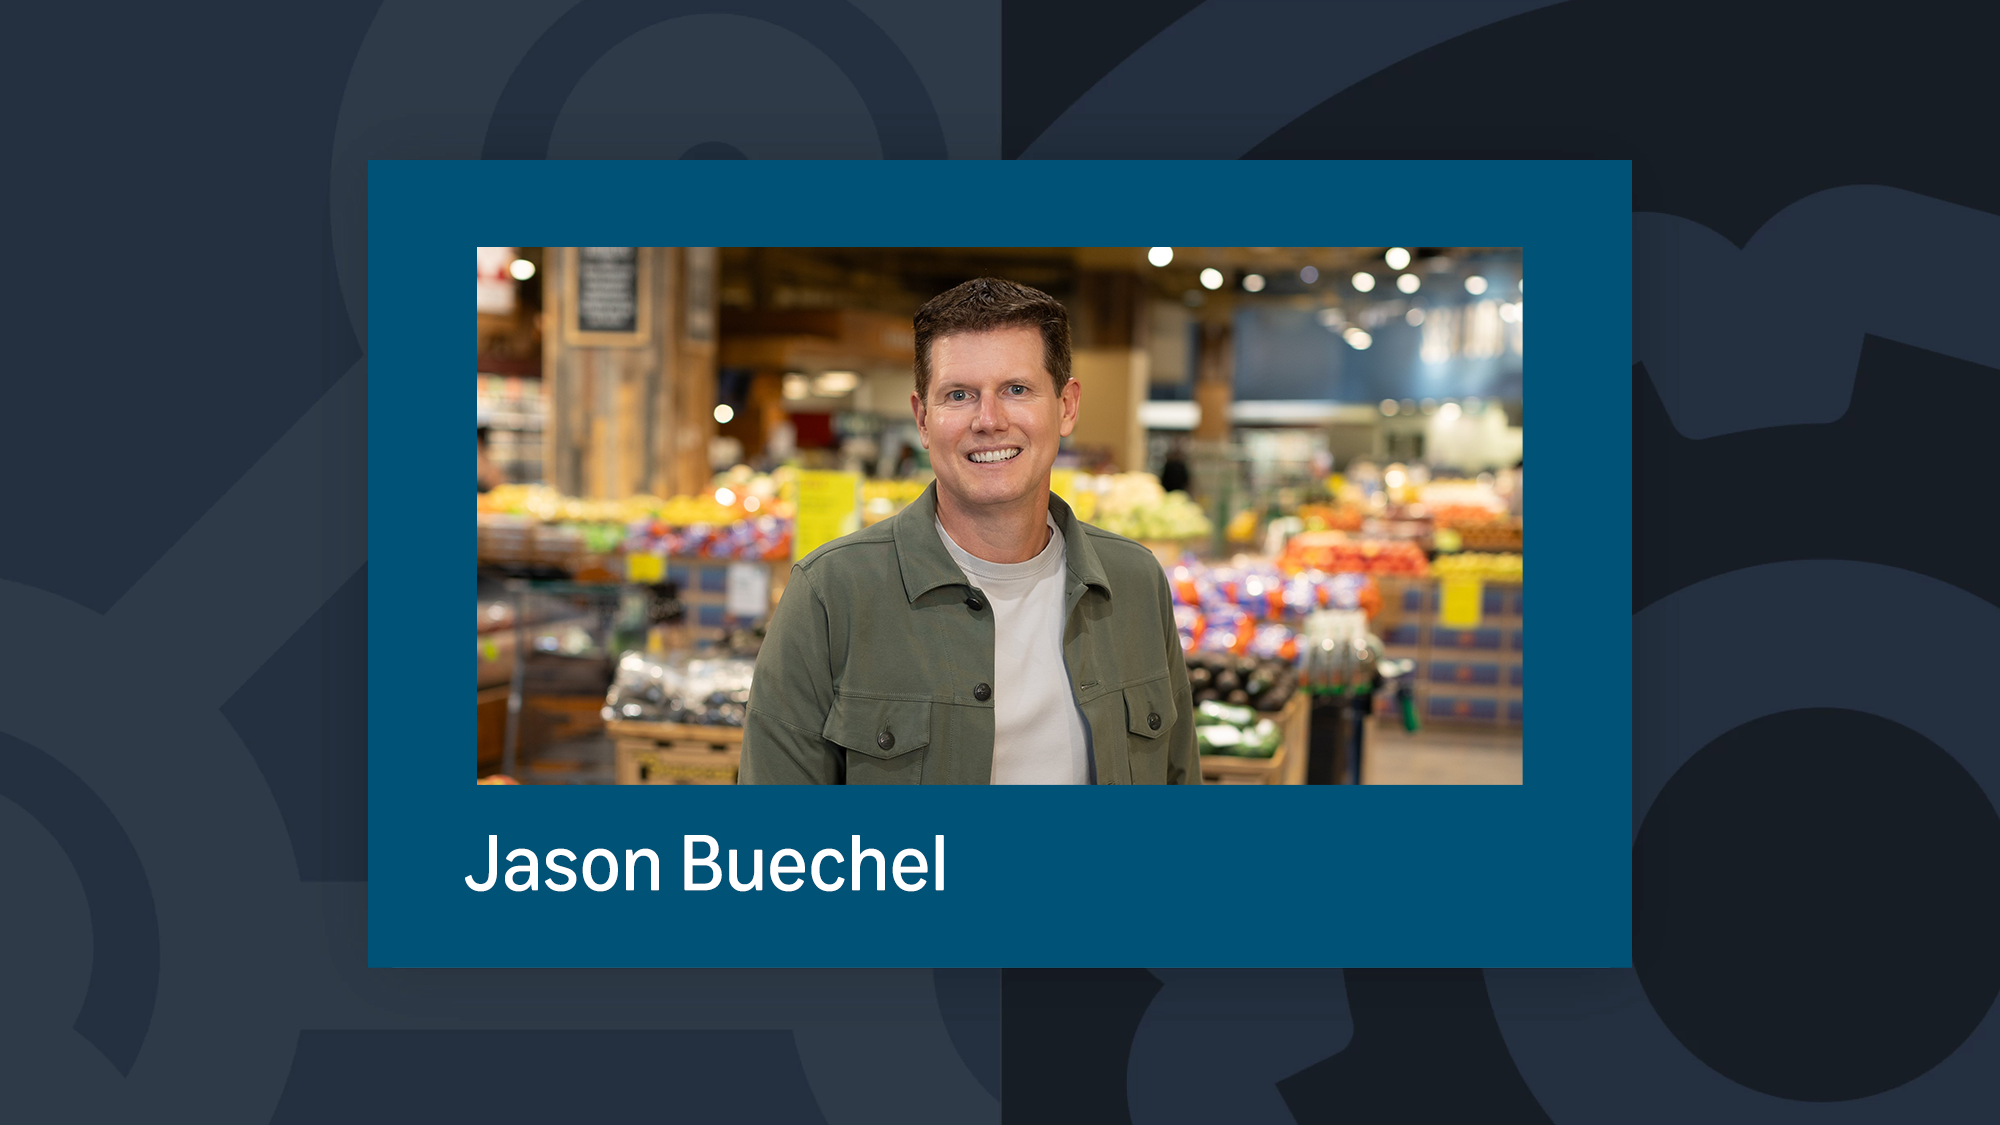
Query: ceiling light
(1397, 257)
(1448, 412)
(833, 384)
(724, 412)
(1160, 255)
(522, 269)
(1414, 317)
(1309, 275)
(1408, 283)
(1389, 407)
(1364, 281)
(1211, 278)
(1475, 285)
(797, 386)
(1253, 283)
(1357, 339)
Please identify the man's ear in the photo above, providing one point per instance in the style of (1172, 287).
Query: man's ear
(1072, 398)
(917, 411)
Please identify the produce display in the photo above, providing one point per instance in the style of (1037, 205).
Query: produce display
(1135, 506)
(1268, 592)
(1243, 681)
(1238, 731)
(1478, 564)
(1337, 552)
(1462, 516)
(744, 540)
(1326, 517)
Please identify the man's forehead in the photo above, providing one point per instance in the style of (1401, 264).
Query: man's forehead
(989, 356)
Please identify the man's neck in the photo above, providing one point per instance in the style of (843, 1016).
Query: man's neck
(1011, 534)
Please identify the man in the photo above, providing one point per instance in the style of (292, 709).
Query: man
(982, 634)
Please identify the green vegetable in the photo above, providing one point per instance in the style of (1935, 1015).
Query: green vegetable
(1227, 713)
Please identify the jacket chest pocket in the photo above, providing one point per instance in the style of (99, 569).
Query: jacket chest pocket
(885, 740)
(1149, 718)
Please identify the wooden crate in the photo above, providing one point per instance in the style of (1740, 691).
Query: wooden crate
(675, 753)
(1286, 767)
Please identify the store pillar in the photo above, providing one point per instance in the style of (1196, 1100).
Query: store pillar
(1108, 357)
(1215, 381)
(628, 363)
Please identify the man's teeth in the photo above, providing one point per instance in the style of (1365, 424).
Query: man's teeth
(996, 455)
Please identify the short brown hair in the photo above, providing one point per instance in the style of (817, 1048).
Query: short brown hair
(984, 304)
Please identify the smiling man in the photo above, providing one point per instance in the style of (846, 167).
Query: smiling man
(983, 634)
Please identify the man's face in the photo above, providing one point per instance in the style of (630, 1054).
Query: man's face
(993, 420)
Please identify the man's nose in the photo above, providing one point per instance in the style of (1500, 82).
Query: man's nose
(990, 416)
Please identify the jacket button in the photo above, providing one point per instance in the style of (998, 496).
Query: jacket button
(982, 693)
(886, 740)
(974, 604)
(1153, 721)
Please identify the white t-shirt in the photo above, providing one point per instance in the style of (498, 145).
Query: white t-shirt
(1038, 733)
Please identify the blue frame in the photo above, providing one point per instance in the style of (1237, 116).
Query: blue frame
(1532, 875)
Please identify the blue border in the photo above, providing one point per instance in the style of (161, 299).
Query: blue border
(1530, 875)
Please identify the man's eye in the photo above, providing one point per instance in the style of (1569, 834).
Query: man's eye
(955, 396)
(1019, 388)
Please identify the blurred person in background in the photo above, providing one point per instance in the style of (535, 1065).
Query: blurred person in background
(1174, 473)
(490, 476)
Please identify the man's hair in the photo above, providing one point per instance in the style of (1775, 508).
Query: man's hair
(984, 304)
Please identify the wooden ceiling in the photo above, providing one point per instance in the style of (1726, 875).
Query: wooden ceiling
(898, 280)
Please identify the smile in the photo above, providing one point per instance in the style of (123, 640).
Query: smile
(993, 455)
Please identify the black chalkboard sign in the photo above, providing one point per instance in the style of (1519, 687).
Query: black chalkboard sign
(607, 289)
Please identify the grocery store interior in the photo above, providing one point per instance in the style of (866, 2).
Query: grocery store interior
(1322, 445)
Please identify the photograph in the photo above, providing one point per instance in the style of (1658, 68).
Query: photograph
(1015, 515)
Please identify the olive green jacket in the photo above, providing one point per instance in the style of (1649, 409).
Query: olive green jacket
(878, 664)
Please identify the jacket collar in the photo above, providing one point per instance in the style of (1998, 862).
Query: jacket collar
(926, 565)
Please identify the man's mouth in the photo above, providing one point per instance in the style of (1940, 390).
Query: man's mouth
(990, 456)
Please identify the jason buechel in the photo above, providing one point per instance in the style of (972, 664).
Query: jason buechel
(702, 868)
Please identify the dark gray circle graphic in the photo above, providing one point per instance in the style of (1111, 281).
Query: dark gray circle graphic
(1802, 920)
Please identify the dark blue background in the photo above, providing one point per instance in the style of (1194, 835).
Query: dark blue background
(1817, 856)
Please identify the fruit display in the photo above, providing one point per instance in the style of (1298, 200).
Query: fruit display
(1250, 682)
(1135, 506)
(1326, 517)
(1267, 592)
(1463, 516)
(743, 540)
(1239, 731)
(1478, 564)
(1337, 552)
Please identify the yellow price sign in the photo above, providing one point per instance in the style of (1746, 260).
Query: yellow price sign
(645, 569)
(1459, 602)
(829, 506)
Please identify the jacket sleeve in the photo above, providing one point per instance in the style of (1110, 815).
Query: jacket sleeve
(791, 693)
(1183, 757)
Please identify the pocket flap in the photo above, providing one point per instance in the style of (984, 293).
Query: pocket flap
(879, 728)
(1149, 708)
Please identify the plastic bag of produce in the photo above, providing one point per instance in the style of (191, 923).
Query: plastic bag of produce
(1229, 713)
(1220, 738)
